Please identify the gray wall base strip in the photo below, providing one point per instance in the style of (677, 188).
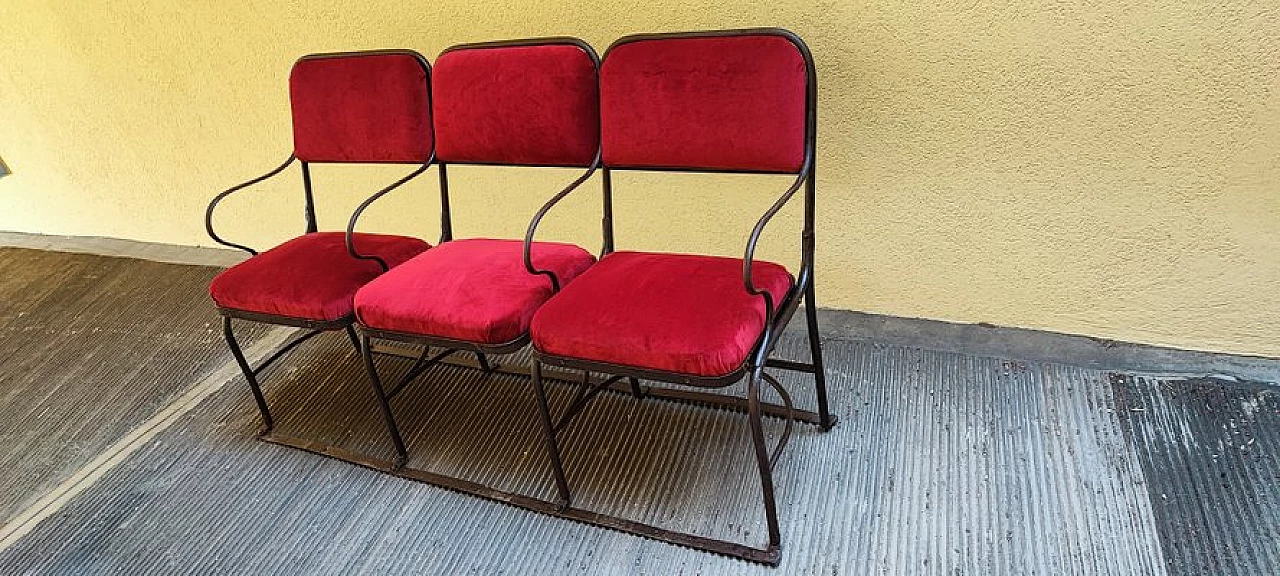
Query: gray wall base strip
(1041, 346)
(154, 251)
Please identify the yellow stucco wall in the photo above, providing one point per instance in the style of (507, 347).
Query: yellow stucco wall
(1102, 168)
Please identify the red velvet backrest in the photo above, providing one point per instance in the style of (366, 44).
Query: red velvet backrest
(717, 102)
(517, 104)
(361, 107)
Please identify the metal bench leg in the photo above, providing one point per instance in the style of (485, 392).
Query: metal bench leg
(815, 349)
(483, 362)
(267, 422)
(549, 432)
(355, 340)
(636, 390)
(402, 455)
(762, 459)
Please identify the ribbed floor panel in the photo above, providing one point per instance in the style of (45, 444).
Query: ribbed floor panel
(1211, 451)
(89, 348)
(942, 464)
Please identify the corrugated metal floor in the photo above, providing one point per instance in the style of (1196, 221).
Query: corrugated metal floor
(942, 463)
(1211, 454)
(89, 348)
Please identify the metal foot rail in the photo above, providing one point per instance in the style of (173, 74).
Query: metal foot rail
(768, 556)
(587, 385)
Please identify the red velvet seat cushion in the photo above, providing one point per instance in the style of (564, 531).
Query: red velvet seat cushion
(536, 105)
(373, 107)
(311, 277)
(672, 312)
(471, 290)
(728, 103)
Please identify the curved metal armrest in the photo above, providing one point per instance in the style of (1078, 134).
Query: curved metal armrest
(351, 225)
(208, 213)
(537, 218)
(750, 255)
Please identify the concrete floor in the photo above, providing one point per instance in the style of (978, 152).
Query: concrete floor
(120, 457)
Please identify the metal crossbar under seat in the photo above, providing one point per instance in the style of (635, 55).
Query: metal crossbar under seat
(631, 386)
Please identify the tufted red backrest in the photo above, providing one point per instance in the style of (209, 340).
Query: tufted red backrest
(517, 104)
(361, 107)
(711, 102)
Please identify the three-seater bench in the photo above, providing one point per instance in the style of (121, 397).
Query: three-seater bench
(731, 101)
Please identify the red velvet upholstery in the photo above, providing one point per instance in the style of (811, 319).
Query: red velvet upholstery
(361, 108)
(729, 103)
(472, 290)
(535, 105)
(672, 312)
(311, 277)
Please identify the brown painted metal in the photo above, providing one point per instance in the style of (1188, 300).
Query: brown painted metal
(355, 216)
(251, 373)
(296, 322)
(768, 556)
(422, 340)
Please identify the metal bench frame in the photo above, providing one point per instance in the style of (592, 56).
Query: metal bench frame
(576, 372)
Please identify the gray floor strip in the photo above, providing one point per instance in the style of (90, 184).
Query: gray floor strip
(89, 348)
(1211, 450)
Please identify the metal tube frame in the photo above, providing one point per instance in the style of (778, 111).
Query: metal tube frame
(315, 326)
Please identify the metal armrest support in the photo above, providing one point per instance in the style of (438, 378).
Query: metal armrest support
(351, 225)
(208, 213)
(750, 255)
(537, 218)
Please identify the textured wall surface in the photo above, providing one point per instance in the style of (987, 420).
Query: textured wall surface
(1102, 168)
